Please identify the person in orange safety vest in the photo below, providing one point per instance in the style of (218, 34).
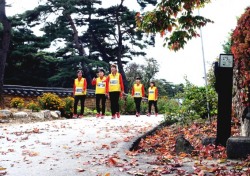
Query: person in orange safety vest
(152, 98)
(100, 93)
(79, 93)
(138, 93)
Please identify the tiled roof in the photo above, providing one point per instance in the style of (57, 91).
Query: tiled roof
(28, 91)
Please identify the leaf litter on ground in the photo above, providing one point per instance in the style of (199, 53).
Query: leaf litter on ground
(206, 159)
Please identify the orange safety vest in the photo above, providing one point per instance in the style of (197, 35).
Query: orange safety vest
(114, 82)
(151, 93)
(137, 90)
(79, 85)
(100, 87)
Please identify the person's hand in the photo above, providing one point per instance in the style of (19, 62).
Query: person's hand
(121, 94)
(94, 78)
(107, 95)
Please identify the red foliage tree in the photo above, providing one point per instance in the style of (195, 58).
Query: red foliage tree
(241, 51)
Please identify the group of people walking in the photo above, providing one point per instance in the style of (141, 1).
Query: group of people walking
(112, 87)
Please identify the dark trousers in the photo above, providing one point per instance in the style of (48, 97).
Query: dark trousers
(82, 99)
(100, 97)
(138, 104)
(150, 103)
(114, 101)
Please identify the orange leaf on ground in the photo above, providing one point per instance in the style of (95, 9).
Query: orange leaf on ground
(112, 161)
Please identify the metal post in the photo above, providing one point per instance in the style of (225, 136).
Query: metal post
(205, 72)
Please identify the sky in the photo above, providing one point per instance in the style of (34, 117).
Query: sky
(174, 66)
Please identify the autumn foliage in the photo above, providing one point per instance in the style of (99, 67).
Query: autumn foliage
(163, 142)
(241, 51)
(174, 20)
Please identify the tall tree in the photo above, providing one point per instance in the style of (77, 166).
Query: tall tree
(132, 71)
(4, 45)
(115, 36)
(150, 70)
(27, 64)
(69, 18)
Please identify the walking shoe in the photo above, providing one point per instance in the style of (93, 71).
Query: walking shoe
(118, 115)
(113, 117)
(74, 116)
(137, 114)
(97, 115)
(102, 116)
(156, 114)
(81, 116)
(148, 114)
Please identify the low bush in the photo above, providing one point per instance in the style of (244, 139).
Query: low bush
(67, 106)
(17, 103)
(50, 101)
(33, 106)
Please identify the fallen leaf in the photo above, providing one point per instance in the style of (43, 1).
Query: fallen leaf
(35, 130)
(112, 161)
(80, 170)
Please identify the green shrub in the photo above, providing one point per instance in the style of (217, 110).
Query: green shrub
(67, 106)
(122, 105)
(172, 109)
(33, 106)
(161, 103)
(88, 111)
(144, 107)
(17, 103)
(50, 101)
(194, 104)
(108, 113)
(129, 105)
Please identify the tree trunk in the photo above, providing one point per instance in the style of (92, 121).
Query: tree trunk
(119, 52)
(77, 42)
(240, 110)
(79, 47)
(4, 46)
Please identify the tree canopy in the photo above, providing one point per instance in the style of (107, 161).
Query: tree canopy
(174, 20)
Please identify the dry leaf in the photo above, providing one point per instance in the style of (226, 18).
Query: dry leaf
(80, 170)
